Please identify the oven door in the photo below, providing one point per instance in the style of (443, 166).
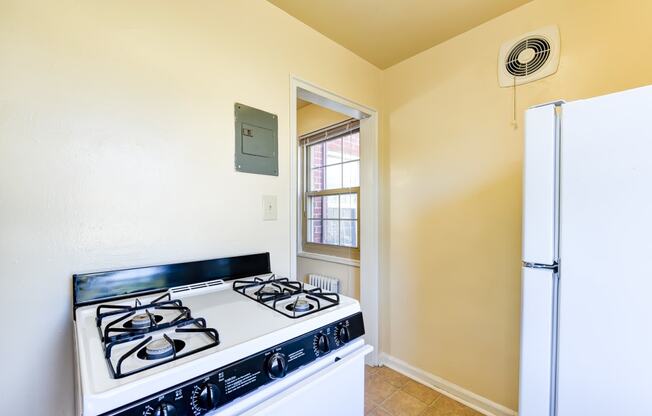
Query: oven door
(336, 381)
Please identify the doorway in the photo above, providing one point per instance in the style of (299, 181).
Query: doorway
(361, 269)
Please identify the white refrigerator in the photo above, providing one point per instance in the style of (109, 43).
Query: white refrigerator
(586, 330)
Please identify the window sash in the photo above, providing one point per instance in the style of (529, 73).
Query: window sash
(329, 133)
(338, 191)
(324, 166)
(342, 246)
(307, 218)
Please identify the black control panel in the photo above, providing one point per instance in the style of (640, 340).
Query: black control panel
(219, 387)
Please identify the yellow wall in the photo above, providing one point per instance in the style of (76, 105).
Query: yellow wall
(116, 150)
(455, 182)
(314, 117)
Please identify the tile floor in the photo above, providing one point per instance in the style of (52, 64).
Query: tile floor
(388, 393)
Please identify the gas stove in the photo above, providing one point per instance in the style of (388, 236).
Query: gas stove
(203, 337)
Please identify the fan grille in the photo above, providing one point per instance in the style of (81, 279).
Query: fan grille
(541, 52)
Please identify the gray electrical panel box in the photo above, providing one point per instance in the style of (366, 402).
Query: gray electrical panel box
(256, 141)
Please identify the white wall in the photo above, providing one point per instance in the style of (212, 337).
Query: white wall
(116, 150)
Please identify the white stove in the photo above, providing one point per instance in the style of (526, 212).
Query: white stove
(212, 346)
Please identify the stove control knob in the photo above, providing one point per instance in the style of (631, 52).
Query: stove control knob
(322, 343)
(277, 365)
(165, 409)
(209, 396)
(343, 334)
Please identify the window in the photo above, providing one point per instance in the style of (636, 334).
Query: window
(331, 220)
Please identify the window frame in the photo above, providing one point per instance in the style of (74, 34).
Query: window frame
(326, 248)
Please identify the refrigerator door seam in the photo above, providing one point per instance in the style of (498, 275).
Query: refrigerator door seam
(559, 111)
(557, 173)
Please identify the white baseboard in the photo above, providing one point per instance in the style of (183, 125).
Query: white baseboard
(455, 392)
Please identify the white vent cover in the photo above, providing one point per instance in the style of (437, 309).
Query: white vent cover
(529, 57)
(329, 284)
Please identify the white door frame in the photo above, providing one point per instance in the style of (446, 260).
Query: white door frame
(369, 197)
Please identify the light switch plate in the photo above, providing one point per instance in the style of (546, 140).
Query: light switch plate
(269, 208)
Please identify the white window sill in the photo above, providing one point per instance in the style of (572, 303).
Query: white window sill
(330, 259)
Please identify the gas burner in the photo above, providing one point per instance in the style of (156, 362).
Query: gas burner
(288, 297)
(299, 305)
(143, 321)
(137, 319)
(268, 289)
(161, 348)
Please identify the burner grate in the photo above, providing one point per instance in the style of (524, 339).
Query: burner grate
(286, 289)
(200, 327)
(141, 327)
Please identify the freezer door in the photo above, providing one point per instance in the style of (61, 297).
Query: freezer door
(605, 338)
(540, 186)
(537, 342)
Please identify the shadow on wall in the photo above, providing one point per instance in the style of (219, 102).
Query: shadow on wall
(462, 259)
(349, 276)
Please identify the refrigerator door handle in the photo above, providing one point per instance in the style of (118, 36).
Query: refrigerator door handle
(554, 267)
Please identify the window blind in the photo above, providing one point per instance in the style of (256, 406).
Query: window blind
(329, 132)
